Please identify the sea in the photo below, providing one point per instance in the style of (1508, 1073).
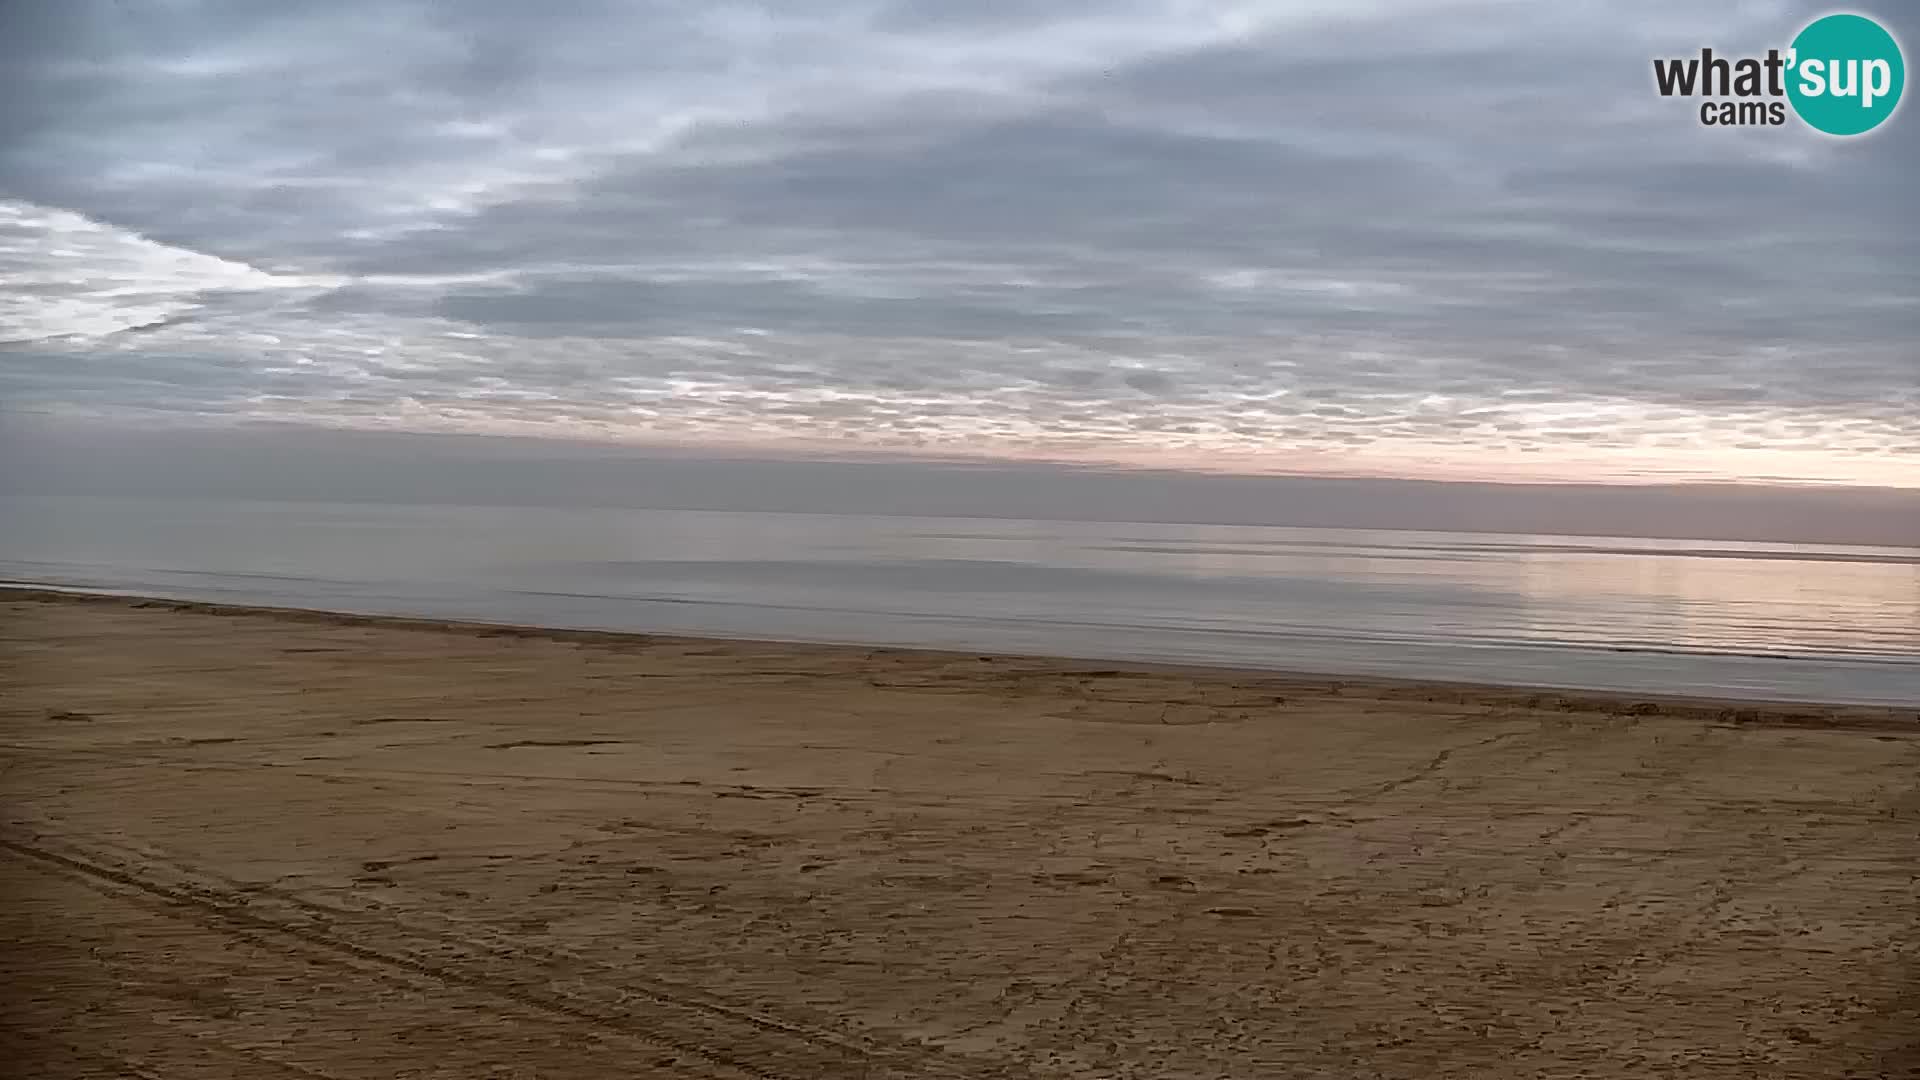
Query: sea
(1771, 621)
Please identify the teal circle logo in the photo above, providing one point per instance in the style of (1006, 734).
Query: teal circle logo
(1845, 74)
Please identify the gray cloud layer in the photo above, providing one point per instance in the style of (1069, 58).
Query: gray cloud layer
(1440, 238)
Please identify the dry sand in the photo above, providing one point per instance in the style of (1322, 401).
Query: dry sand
(245, 844)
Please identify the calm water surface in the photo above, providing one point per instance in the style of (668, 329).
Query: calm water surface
(1769, 620)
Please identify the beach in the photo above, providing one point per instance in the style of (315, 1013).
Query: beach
(250, 843)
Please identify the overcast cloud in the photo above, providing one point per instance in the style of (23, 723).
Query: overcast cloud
(1424, 238)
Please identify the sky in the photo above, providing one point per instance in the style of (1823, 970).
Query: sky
(1420, 239)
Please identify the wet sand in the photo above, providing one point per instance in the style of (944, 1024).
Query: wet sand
(246, 844)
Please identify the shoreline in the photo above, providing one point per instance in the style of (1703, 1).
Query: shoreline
(1742, 710)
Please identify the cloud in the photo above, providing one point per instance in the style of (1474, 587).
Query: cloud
(71, 277)
(1433, 238)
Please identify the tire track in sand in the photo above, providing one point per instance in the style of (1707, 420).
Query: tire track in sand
(737, 1042)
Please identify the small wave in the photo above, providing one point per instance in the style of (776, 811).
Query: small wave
(1283, 548)
(1285, 633)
